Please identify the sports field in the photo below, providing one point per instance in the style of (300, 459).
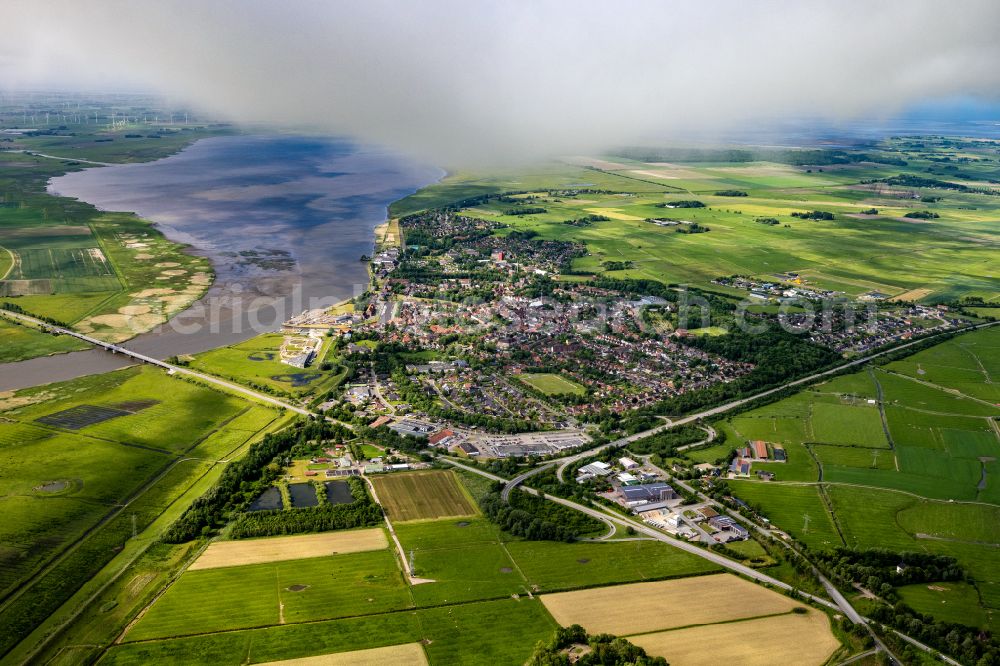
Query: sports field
(423, 495)
(551, 384)
(645, 607)
(276, 549)
(409, 654)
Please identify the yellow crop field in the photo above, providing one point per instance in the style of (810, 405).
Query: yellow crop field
(613, 213)
(409, 654)
(913, 295)
(645, 607)
(276, 549)
(422, 495)
(783, 639)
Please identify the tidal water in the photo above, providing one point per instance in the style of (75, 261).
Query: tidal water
(284, 220)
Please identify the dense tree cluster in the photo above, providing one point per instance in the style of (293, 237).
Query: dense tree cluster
(362, 512)
(605, 650)
(586, 220)
(693, 228)
(814, 215)
(909, 180)
(244, 479)
(683, 203)
(665, 443)
(922, 215)
(526, 210)
(967, 644)
(534, 518)
(731, 193)
(881, 570)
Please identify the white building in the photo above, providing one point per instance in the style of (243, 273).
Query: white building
(627, 463)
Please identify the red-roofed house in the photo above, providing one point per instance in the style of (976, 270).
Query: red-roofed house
(441, 438)
(759, 449)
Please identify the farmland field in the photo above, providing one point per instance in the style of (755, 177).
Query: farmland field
(111, 274)
(258, 551)
(464, 634)
(783, 639)
(287, 591)
(409, 654)
(423, 495)
(850, 253)
(936, 490)
(19, 342)
(645, 607)
(63, 480)
(551, 384)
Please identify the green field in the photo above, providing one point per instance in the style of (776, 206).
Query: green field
(908, 497)
(951, 258)
(64, 477)
(465, 634)
(107, 273)
(551, 384)
(210, 600)
(19, 342)
(257, 362)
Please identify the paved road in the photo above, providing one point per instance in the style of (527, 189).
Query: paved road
(566, 462)
(840, 603)
(65, 159)
(647, 531)
(519, 479)
(172, 369)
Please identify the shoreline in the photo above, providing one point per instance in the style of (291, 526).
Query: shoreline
(55, 368)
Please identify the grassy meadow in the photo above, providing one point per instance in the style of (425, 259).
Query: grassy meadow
(939, 260)
(74, 490)
(927, 481)
(18, 342)
(257, 362)
(476, 579)
(107, 273)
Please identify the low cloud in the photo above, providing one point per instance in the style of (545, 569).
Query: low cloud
(473, 82)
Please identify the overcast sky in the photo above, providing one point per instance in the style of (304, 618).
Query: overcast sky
(475, 80)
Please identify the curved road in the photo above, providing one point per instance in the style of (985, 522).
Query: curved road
(566, 462)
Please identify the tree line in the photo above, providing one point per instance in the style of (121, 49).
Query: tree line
(605, 650)
(245, 479)
(535, 519)
(362, 512)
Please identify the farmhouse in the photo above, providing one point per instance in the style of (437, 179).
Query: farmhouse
(759, 449)
(739, 467)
